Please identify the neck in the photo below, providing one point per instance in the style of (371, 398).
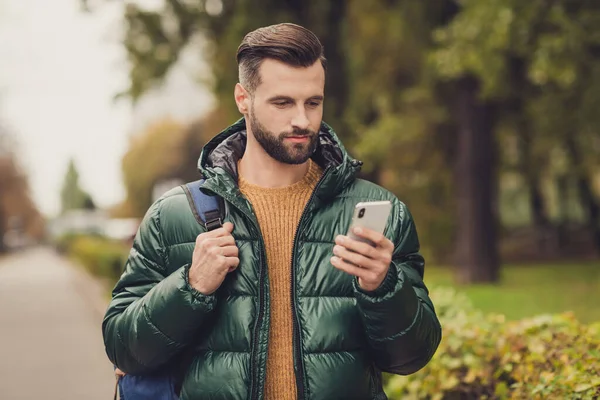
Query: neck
(260, 169)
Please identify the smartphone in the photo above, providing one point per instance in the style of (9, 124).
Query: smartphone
(371, 215)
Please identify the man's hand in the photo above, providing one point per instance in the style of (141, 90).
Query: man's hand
(369, 263)
(214, 256)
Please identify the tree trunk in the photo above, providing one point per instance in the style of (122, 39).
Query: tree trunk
(536, 201)
(299, 9)
(562, 184)
(475, 175)
(530, 172)
(2, 227)
(586, 193)
(592, 208)
(336, 83)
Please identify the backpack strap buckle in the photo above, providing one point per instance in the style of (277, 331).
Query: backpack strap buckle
(213, 220)
(205, 207)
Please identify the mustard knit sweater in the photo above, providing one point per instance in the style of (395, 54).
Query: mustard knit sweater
(278, 211)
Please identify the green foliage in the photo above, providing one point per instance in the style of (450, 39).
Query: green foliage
(155, 41)
(63, 243)
(397, 118)
(392, 89)
(555, 40)
(485, 356)
(73, 197)
(475, 43)
(154, 154)
(101, 257)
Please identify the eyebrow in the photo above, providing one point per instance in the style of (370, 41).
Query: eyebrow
(287, 98)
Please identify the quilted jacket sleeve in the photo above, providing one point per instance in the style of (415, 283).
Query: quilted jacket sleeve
(401, 325)
(153, 314)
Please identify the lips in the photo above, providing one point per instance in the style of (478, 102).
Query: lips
(298, 139)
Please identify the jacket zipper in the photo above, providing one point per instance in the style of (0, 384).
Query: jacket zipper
(254, 384)
(254, 393)
(296, 324)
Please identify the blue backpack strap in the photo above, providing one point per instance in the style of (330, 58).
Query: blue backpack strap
(162, 386)
(205, 207)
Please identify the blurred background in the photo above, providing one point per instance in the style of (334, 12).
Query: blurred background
(482, 116)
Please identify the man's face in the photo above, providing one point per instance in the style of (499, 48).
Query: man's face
(286, 110)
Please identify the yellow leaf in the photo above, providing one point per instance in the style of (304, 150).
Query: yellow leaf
(450, 383)
(547, 376)
(582, 387)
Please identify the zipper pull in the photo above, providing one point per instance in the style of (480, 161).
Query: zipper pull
(356, 163)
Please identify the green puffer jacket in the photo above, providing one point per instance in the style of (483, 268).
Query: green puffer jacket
(343, 337)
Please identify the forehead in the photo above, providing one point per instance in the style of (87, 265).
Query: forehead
(276, 76)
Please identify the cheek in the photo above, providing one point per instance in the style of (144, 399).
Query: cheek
(271, 118)
(315, 117)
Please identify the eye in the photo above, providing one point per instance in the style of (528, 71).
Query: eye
(281, 103)
(314, 104)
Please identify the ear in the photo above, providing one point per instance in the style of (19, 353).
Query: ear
(242, 99)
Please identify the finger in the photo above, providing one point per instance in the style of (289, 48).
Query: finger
(349, 268)
(225, 230)
(354, 258)
(221, 241)
(377, 238)
(232, 263)
(229, 251)
(228, 226)
(356, 246)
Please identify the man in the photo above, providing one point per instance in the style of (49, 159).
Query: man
(278, 303)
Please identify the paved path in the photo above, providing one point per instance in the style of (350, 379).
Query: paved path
(50, 331)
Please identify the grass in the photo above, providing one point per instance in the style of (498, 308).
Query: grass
(528, 290)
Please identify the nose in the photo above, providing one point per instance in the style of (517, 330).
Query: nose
(300, 120)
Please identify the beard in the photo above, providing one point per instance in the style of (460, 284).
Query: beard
(276, 146)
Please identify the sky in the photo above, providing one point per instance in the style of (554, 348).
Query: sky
(60, 69)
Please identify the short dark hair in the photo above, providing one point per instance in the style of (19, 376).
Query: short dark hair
(289, 43)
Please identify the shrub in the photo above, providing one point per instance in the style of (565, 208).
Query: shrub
(101, 257)
(486, 357)
(62, 244)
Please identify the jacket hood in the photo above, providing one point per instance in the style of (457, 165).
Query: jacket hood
(219, 157)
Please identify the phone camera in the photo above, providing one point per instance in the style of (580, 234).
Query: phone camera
(361, 213)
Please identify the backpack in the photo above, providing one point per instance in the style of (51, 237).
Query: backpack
(164, 385)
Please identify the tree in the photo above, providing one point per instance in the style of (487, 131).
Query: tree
(487, 66)
(157, 153)
(155, 39)
(402, 128)
(428, 94)
(73, 197)
(17, 210)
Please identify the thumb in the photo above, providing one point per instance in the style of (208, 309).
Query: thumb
(228, 226)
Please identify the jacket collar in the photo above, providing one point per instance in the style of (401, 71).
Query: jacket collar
(218, 162)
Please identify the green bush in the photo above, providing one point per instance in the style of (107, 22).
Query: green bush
(486, 357)
(63, 243)
(101, 257)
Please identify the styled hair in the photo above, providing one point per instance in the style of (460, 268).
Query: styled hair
(288, 43)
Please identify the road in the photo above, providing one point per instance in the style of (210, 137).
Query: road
(50, 337)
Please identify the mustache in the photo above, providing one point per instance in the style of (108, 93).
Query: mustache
(299, 133)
